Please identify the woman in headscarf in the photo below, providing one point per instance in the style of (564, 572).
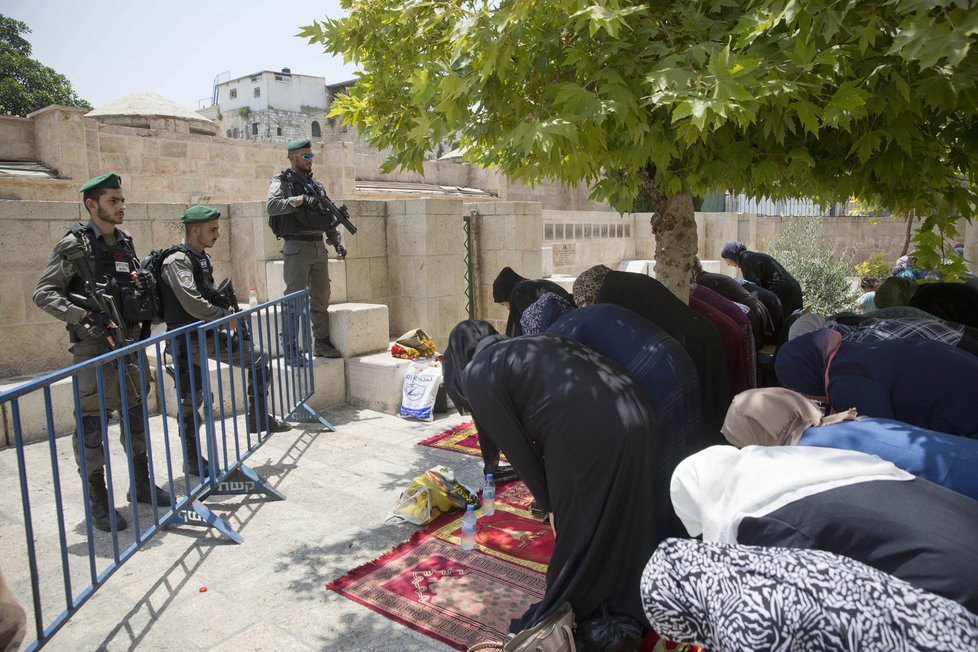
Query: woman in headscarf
(894, 291)
(765, 271)
(650, 299)
(957, 302)
(543, 312)
(735, 333)
(844, 502)
(461, 347)
(867, 331)
(771, 302)
(580, 432)
(517, 293)
(774, 416)
(729, 288)
(658, 362)
(920, 382)
(726, 597)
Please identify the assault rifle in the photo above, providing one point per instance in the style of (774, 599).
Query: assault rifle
(102, 295)
(322, 204)
(225, 297)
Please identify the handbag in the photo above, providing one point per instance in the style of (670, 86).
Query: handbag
(555, 633)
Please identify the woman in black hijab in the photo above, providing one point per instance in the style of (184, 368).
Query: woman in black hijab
(957, 302)
(767, 272)
(518, 293)
(699, 337)
(579, 430)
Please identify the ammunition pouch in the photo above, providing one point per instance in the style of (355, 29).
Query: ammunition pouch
(138, 306)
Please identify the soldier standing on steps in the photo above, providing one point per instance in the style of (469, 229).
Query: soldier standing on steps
(291, 216)
(111, 254)
(188, 294)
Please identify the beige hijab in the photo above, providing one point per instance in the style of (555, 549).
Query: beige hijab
(774, 416)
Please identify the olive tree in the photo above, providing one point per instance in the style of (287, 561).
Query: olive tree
(780, 98)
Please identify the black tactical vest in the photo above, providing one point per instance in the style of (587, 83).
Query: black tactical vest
(115, 261)
(173, 312)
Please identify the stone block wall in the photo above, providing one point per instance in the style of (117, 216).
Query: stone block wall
(17, 134)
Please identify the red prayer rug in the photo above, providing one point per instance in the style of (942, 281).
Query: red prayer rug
(461, 439)
(459, 597)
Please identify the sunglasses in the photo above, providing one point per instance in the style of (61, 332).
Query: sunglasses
(307, 157)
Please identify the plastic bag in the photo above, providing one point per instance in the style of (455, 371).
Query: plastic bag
(416, 341)
(431, 494)
(421, 382)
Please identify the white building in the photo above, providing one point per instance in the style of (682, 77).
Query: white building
(270, 106)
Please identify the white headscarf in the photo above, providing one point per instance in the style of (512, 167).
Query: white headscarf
(715, 489)
(806, 324)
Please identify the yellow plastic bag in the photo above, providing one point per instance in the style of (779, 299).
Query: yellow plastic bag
(430, 495)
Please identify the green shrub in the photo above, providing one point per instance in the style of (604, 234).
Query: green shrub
(824, 273)
(875, 265)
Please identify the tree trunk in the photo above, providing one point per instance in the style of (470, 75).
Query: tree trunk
(676, 242)
(906, 239)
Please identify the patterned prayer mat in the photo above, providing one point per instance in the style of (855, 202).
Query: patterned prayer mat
(461, 439)
(459, 597)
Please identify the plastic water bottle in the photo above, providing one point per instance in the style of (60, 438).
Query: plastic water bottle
(468, 528)
(252, 298)
(489, 496)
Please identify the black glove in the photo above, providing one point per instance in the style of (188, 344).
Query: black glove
(341, 251)
(145, 281)
(95, 324)
(310, 201)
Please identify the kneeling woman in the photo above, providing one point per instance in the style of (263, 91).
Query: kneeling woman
(578, 429)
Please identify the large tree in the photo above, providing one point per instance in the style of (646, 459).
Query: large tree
(781, 98)
(25, 84)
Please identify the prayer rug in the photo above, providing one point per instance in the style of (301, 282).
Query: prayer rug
(459, 597)
(461, 439)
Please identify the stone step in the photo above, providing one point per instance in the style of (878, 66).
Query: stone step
(376, 381)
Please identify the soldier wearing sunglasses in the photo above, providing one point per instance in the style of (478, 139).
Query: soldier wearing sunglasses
(304, 252)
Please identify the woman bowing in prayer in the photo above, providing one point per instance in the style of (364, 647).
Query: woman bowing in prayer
(765, 271)
(775, 416)
(920, 382)
(648, 298)
(517, 294)
(579, 431)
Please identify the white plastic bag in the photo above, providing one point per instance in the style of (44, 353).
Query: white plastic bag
(421, 382)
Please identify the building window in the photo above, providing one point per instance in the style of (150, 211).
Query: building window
(254, 128)
(257, 92)
(229, 133)
(254, 80)
(236, 133)
(316, 130)
(278, 131)
(234, 93)
(285, 79)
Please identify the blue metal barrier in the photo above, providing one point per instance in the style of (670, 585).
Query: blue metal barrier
(277, 357)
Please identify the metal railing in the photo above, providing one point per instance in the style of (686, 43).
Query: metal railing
(63, 565)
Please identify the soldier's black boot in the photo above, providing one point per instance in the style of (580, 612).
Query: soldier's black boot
(145, 490)
(201, 468)
(258, 419)
(98, 502)
(293, 355)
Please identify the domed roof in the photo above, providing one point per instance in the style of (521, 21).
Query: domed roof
(147, 104)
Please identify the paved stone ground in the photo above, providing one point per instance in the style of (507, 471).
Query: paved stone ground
(264, 594)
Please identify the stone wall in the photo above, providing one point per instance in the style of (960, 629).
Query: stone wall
(17, 136)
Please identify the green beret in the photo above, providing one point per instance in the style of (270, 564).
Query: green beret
(198, 214)
(298, 144)
(110, 180)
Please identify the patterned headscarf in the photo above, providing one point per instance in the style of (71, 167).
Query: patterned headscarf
(894, 291)
(587, 285)
(543, 312)
(694, 592)
(732, 250)
(802, 363)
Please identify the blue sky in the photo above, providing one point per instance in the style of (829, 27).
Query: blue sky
(112, 48)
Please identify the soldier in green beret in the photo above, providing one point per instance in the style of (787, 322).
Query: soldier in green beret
(292, 217)
(107, 252)
(189, 294)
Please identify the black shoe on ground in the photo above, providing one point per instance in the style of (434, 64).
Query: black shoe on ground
(145, 495)
(203, 471)
(274, 425)
(98, 502)
(325, 349)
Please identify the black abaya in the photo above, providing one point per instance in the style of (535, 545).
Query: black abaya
(770, 274)
(579, 430)
(699, 337)
(917, 531)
